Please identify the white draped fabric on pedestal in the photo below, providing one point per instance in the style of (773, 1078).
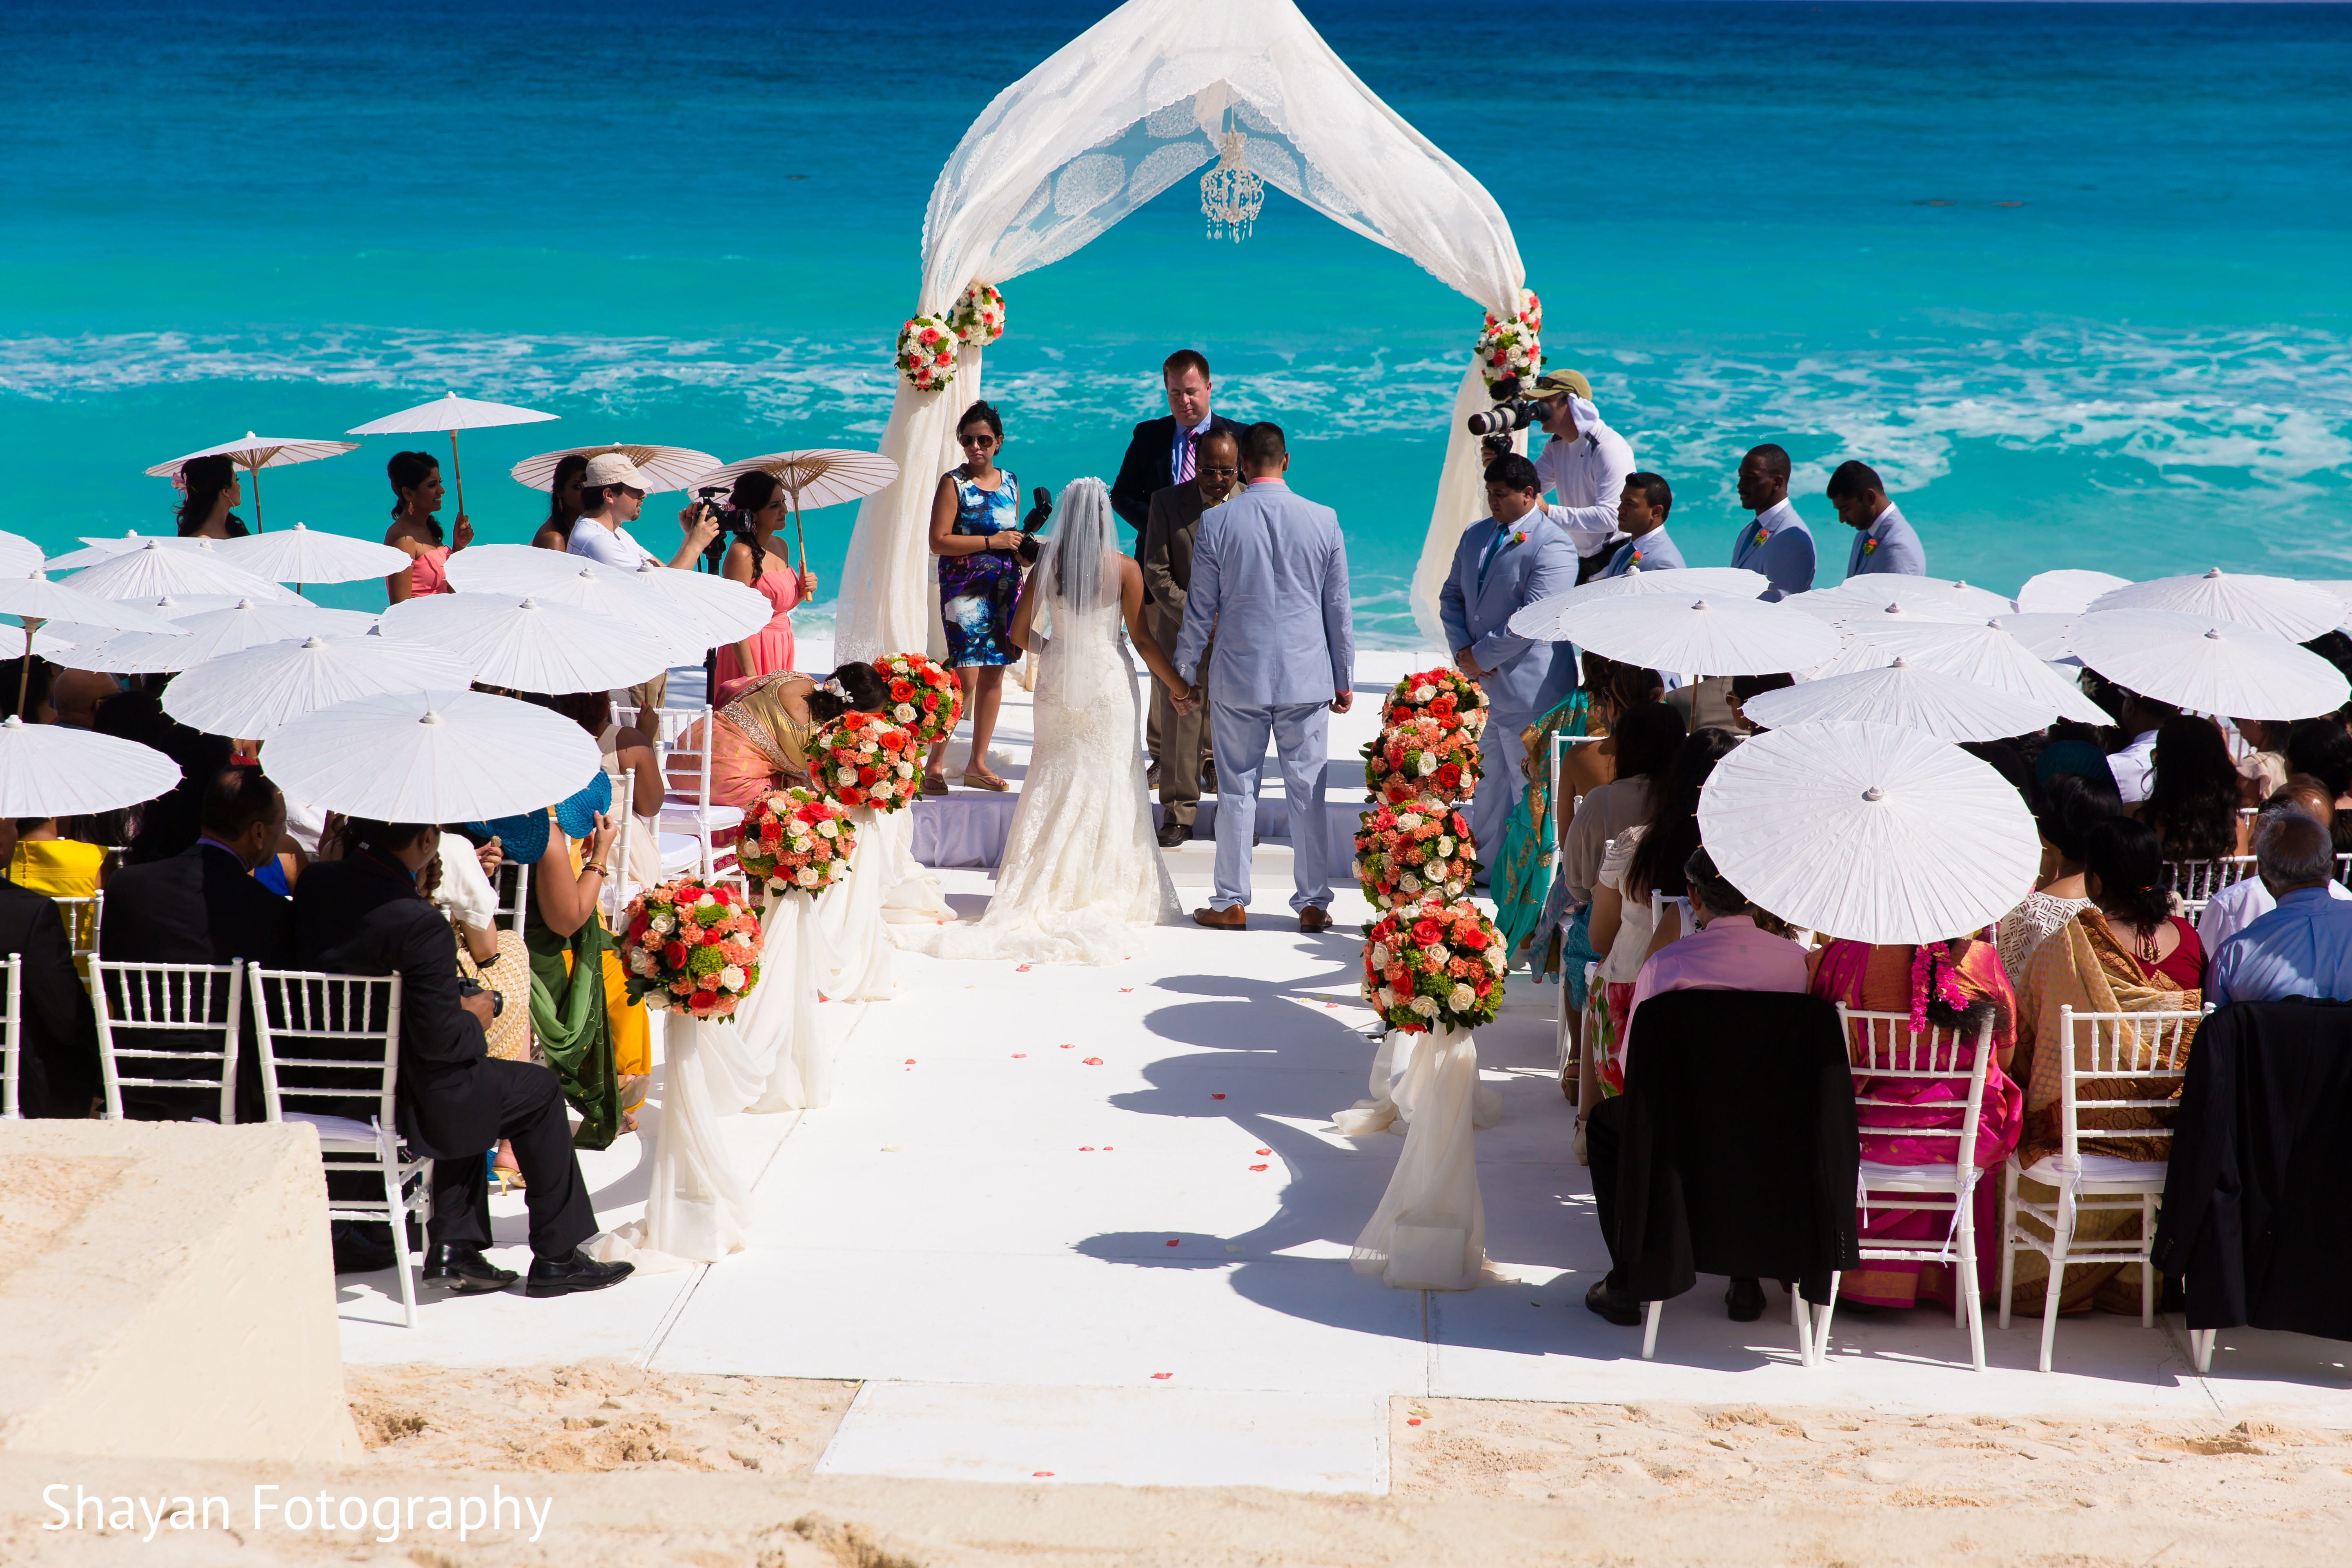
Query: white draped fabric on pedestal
(1389, 1111)
(699, 1209)
(1123, 112)
(1429, 1231)
(781, 1014)
(911, 893)
(849, 918)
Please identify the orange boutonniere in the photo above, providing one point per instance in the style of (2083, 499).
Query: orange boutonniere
(1870, 547)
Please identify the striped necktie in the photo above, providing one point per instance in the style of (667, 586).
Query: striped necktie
(1184, 469)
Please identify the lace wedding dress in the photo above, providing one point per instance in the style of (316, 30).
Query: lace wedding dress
(1081, 869)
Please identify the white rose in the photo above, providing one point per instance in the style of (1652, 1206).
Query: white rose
(1461, 998)
(656, 1000)
(706, 903)
(1409, 821)
(664, 924)
(1439, 955)
(641, 962)
(1423, 692)
(1496, 961)
(1428, 764)
(1409, 883)
(845, 775)
(905, 770)
(1454, 890)
(732, 978)
(904, 713)
(807, 877)
(1387, 997)
(1425, 1005)
(1445, 848)
(829, 827)
(1380, 955)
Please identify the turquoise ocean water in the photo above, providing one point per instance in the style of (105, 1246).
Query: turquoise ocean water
(2074, 278)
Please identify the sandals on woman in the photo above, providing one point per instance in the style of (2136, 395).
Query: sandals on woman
(935, 782)
(987, 781)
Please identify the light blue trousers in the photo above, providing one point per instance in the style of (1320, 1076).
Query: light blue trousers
(1299, 732)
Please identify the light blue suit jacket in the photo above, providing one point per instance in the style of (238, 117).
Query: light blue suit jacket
(1785, 554)
(1897, 548)
(1270, 579)
(1523, 678)
(1658, 553)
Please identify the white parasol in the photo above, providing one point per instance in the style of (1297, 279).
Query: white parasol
(450, 414)
(20, 556)
(1700, 636)
(2280, 605)
(510, 568)
(172, 609)
(254, 453)
(2067, 592)
(1873, 832)
(669, 467)
(303, 555)
(584, 584)
(432, 757)
(259, 692)
(725, 610)
(207, 635)
(1902, 693)
(818, 475)
(56, 770)
(1536, 620)
(1983, 655)
(33, 600)
(524, 646)
(1845, 605)
(2050, 638)
(2209, 666)
(106, 547)
(155, 569)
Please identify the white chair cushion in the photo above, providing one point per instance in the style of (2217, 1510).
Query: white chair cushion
(339, 1129)
(1912, 1178)
(2099, 1168)
(679, 852)
(686, 818)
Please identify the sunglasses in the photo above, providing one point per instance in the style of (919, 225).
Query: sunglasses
(977, 438)
(1214, 469)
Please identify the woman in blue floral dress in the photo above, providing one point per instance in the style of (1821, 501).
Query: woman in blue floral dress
(975, 526)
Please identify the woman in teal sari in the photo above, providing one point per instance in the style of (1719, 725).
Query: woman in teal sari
(1521, 873)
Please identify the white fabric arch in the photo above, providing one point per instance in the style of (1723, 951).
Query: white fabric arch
(1112, 119)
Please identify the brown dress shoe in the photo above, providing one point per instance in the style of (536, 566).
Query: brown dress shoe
(1234, 919)
(1314, 918)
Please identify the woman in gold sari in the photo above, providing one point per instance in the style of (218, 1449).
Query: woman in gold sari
(760, 734)
(2126, 953)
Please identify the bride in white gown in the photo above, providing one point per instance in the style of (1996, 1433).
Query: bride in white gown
(1081, 867)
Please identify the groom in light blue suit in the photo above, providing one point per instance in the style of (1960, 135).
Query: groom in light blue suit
(1270, 580)
(1505, 562)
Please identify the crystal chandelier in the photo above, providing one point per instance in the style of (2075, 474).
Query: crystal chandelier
(1231, 194)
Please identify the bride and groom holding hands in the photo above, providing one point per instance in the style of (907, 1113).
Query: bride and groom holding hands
(1081, 867)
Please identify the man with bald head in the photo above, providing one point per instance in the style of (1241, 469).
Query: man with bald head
(2303, 947)
(1777, 542)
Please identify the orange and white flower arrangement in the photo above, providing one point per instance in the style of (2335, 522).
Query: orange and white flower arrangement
(861, 759)
(1408, 852)
(978, 316)
(1510, 348)
(1420, 758)
(1433, 964)
(796, 842)
(924, 696)
(927, 352)
(1446, 695)
(692, 948)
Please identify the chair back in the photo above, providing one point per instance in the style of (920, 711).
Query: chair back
(687, 740)
(186, 1012)
(2133, 1062)
(12, 1038)
(511, 887)
(1886, 1052)
(2197, 880)
(83, 917)
(330, 1044)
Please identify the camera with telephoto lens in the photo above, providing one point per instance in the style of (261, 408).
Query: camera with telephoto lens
(1511, 414)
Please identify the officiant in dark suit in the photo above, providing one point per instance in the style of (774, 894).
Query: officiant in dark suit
(1165, 451)
(1178, 742)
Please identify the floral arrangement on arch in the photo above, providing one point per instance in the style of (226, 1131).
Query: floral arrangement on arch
(927, 353)
(924, 696)
(1406, 852)
(692, 948)
(1511, 348)
(1433, 963)
(795, 841)
(978, 316)
(861, 759)
(1422, 758)
(1448, 696)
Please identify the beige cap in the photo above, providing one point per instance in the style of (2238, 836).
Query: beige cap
(614, 468)
(1558, 383)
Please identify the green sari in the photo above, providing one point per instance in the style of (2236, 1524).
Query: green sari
(1521, 875)
(567, 1015)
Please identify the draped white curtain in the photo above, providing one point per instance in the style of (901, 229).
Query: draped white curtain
(1116, 116)
(1429, 1230)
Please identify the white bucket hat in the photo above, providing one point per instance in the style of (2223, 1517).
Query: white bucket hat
(614, 468)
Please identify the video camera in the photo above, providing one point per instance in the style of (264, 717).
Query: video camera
(733, 522)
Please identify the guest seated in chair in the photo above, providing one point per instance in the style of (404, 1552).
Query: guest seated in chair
(1736, 947)
(203, 906)
(57, 1076)
(364, 914)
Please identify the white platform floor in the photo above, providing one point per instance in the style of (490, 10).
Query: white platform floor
(1122, 1183)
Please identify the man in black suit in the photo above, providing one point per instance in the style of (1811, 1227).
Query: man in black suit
(57, 1073)
(364, 915)
(1164, 451)
(1178, 742)
(203, 906)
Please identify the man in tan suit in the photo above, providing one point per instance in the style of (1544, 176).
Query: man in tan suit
(1178, 742)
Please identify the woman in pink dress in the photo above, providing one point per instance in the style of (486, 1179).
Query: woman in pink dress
(417, 489)
(758, 562)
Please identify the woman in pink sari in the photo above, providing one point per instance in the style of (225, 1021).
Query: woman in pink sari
(1951, 984)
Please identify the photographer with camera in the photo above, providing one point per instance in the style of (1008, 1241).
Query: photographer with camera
(1584, 463)
(753, 512)
(612, 492)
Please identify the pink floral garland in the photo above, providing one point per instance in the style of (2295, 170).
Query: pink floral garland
(1927, 976)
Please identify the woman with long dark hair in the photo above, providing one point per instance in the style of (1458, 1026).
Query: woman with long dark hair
(758, 563)
(2071, 805)
(975, 528)
(2193, 802)
(562, 504)
(211, 488)
(416, 490)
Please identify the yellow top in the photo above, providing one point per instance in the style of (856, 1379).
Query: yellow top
(57, 868)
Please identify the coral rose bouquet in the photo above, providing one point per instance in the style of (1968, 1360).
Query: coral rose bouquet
(795, 841)
(1422, 758)
(862, 760)
(1406, 852)
(1446, 696)
(1433, 964)
(924, 696)
(1510, 348)
(692, 948)
(927, 352)
(978, 315)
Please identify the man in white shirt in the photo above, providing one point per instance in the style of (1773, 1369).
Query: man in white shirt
(1584, 465)
(2244, 901)
(2134, 765)
(612, 492)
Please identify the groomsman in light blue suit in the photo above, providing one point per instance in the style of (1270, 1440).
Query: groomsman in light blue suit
(1778, 544)
(1270, 580)
(1504, 563)
(1642, 510)
(1887, 542)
